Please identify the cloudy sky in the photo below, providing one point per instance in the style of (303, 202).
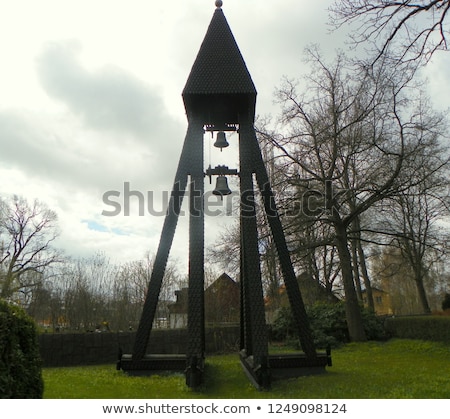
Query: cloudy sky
(90, 102)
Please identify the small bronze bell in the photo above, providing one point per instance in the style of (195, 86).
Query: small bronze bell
(221, 141)
(222, 186)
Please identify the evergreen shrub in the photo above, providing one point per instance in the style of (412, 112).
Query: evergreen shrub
(20, 362)
(446, 302)
(328, 325)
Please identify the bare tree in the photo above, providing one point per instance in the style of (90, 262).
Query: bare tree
(392, 274)
(27, 233)
(130, 288)
(350, 137)
(414, 222)
(404, 30)
(309, 240)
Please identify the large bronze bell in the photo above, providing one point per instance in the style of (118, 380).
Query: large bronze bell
(222, 188)
(221, 141)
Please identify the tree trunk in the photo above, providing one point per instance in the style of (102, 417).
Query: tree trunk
(422, 293)
(363, 266)
(356, 278)
(352, 309)
(365, 274)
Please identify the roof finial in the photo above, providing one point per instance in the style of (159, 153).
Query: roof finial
(219, 3)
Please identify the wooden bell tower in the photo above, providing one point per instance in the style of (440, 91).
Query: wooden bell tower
(220, 96)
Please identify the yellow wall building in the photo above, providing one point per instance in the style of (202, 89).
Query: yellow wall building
(381, 300)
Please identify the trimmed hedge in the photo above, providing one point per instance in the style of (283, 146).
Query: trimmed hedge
(434, 328)
(75, 349)
(20, 362)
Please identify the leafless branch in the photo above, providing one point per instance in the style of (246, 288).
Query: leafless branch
(404, 30)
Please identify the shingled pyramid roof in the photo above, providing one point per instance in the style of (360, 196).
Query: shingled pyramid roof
(219, 69)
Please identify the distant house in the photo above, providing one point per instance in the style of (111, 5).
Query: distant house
(221, 304)
(381, 300)
(222, 301)
(178, 310)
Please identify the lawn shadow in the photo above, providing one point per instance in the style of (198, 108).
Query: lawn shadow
(224, 379)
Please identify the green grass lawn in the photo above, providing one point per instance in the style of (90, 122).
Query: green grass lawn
(397, 369)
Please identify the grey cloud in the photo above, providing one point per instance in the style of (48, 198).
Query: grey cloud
(126, 133)
(119, 106)
(108, 99)
(24, 143)
(29, 145)
(78, 161)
